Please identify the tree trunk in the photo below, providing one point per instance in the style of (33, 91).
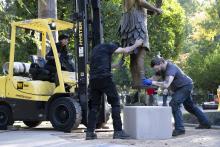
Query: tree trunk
(48, 9)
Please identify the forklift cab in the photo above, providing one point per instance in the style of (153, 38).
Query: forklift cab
(44, 27)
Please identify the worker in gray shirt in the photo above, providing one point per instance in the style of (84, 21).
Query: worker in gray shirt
(182, 86)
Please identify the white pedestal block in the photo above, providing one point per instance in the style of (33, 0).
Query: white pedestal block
(148, 122)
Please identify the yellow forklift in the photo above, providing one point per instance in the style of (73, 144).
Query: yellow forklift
(23, 97)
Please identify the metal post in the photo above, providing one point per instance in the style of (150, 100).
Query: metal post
(81, 45)
(12, 50)
(97, 38)
(43, 46)
(97, 27)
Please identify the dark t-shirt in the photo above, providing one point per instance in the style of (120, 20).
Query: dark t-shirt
(100, 65)
(180, 78)
(61, 50)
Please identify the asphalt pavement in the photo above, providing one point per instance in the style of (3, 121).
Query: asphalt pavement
(45, 135)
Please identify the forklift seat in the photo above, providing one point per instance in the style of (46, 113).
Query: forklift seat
(37, 70)
(38, 60)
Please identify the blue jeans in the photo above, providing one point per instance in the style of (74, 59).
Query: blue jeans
(183, 96)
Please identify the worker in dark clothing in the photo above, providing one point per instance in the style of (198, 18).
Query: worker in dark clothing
(63, 56)
(182, 86)
(100, 83)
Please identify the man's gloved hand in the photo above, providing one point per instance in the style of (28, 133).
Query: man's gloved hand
(146, 82)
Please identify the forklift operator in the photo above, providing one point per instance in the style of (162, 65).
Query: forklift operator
(63, 55)
(100, 83)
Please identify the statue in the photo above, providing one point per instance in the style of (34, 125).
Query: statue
(133, 26)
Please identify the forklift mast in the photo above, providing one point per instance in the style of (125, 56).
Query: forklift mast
(88, 34)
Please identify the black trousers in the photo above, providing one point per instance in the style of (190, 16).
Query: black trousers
(97, 88)
(51, 68)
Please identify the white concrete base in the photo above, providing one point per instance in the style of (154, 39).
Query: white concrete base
(148, 122)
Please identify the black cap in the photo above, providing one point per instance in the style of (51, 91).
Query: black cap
(63, 36)
(116, 44)
(157, 61)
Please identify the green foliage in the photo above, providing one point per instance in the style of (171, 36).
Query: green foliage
(122, 78)
(190, 6)
(65, 10)
(111, 13)
(15, 10)
(203, 64)
(166, 32)
(205, 70)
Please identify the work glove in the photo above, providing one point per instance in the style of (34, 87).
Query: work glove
(146, 82)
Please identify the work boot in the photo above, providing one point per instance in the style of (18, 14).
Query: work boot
(208, 126)
(91, 135)
(178, 132)
(120, 135)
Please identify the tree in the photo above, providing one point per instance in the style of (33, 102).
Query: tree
(203, 63)
(167, 31)
(190, 6)
(47, 8)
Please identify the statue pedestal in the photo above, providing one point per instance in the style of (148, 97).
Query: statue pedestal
(148, 122)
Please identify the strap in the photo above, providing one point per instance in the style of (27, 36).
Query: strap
(24, 68)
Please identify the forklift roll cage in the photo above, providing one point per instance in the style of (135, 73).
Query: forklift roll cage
(42, 26)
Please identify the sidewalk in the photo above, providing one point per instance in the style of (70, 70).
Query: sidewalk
(44, 135)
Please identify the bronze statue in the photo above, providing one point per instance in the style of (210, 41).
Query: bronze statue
(133, 26)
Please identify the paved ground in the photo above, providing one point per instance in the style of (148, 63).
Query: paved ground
(44, 135)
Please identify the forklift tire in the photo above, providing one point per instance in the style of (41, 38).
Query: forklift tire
(100, 124)
(5, 117)
(65, 114)
(32, 124)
